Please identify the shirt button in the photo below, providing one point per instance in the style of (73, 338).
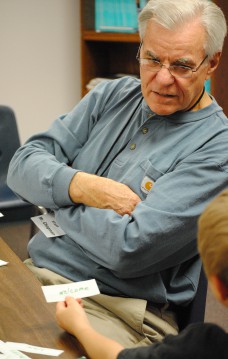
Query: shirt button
(132, 146)
(144, 130)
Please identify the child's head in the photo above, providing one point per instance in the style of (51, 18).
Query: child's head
(213, 244)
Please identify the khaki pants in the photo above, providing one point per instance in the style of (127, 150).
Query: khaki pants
(129, 321)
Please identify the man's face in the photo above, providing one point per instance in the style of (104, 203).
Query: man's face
(164, 93)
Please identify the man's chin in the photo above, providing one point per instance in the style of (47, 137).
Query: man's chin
(163, 110)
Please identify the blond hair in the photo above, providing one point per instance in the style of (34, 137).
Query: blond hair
(213, 237)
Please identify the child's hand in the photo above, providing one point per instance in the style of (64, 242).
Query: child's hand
(71, 316)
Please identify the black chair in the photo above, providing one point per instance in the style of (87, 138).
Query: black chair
(11, 206)
(195, 311)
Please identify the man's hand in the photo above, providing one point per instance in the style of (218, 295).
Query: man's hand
(101, 192)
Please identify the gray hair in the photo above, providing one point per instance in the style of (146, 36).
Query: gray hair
(173, 14)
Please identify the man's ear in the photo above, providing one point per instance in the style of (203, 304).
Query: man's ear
(219, 289)
(213, 64)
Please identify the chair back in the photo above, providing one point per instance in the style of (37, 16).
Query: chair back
(11, 206)
(9, 140)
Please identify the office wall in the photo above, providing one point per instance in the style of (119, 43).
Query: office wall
(39, 60)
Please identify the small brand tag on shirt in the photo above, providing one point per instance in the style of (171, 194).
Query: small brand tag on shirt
(47, 224)
(147, 184)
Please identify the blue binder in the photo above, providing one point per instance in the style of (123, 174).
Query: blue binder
(208, 85)
(116, 16)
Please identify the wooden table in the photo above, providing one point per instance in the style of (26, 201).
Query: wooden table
(25, 316)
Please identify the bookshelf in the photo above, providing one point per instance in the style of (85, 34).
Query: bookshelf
(106, 53)
(220, 78)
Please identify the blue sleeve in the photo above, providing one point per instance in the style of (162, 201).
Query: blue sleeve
(43, 163)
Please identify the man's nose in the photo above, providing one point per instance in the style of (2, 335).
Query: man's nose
(165, 75)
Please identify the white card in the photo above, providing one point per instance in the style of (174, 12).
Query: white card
(58, 293)
(3, 263)
(1, 215)
(11, 353)
(34, 349)
(47, 224)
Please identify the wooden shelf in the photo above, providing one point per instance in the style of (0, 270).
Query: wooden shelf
(104, 54)
(91, 35)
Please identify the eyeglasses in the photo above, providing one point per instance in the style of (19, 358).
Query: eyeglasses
(154, 65)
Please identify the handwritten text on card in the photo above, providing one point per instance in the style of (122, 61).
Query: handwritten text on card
(58, 293)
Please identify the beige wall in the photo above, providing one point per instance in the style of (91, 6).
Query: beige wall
(39, 60)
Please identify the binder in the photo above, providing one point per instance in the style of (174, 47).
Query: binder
(142, 3)
(116, 16)
(208, 85)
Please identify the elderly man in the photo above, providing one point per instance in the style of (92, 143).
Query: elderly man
(128, 172)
